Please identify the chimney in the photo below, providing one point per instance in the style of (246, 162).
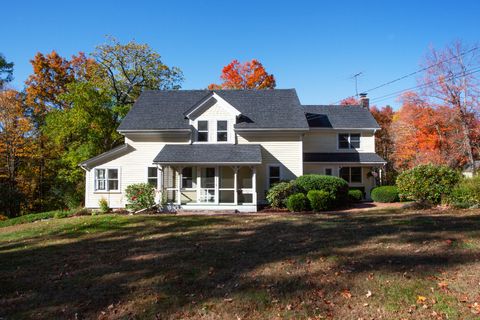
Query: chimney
(364, 101)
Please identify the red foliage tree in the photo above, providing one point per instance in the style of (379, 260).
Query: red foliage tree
(248, 75)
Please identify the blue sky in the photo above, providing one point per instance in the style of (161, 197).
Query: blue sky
(313, 46)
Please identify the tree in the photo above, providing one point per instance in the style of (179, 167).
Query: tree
(15, 147)
(131, 68)
(450, 84)
(383, 139)
(248, 75)
(350, 101)
(6, 71)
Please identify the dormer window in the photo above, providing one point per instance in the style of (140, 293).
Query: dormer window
(202, 135)
(222, 132)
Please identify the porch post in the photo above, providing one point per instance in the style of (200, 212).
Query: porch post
(198, 183)
(160, 183)
(254, 185)
(217, 184)
(235, 185)
(179, 185)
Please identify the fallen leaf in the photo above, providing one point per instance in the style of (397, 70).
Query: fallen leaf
(369, 294)
(421, 299)
(346, 294)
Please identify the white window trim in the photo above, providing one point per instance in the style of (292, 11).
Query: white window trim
(198, 131)
(350, 174)
(267, 182)
(106, 180)
(349, 144)
(148, 177)
(226, 130)
(194, 179)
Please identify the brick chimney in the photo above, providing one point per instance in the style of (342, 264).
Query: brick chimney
(364, 101)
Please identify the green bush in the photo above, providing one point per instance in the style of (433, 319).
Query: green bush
(337, 187)
(427, 183)
(278, 193)
(62, 214)
(103, 204)
(320, 200)
(81, 212)
(466, 194)
(355, 195)
(297, 202)
(140, 196)
(385, 194)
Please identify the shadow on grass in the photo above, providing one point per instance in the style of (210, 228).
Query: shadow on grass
(165, 264)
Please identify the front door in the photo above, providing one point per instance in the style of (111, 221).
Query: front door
(207, 185)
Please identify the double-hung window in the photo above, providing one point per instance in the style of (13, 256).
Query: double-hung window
(152, 176)
(202, 132)
(351, 174)
(222, 133)
(349, 140)
(106, 180)
(273, 175)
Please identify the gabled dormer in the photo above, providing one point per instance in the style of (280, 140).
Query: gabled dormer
(212, 120)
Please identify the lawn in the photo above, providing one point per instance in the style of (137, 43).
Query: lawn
(384, 264)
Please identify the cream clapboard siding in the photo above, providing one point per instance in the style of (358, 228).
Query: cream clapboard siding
(132, 168)
(327, 141)
(367, 182)
(212, 115)
(277, 149)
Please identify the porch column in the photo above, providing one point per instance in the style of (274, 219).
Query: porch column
(161, 183)
(197, 170)
(254, 185)
(179, 185)
(235, 185)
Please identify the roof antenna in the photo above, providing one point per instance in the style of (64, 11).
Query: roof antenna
(355, 76)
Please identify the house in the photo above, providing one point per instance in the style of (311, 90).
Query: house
(468, 169)
(223, 149)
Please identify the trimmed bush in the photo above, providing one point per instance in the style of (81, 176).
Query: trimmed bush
(297, 202)
(320, 200)
(278, 193)
(385, 194)
(140, 196)
(427, 183)
(466, 194)
(103, 204)
(337, 187)
(355, 195)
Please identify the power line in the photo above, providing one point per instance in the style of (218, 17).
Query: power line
(422, 69)
(425, 85)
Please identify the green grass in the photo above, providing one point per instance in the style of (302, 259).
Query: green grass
(242, 266)
(34, 217)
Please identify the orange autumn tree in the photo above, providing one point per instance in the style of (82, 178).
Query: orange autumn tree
(384, 139)
(350, 101)
(248, 75)
(15, 149)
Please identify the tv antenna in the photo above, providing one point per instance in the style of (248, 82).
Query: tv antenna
(355, 76)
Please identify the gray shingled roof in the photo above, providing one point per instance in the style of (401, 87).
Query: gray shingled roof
(260, 109)
(210, 153)
(342, 157)
(117, 151)
(344, 117)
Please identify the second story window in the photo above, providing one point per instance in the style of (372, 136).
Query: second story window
(222, 133)
(202, 131)
(349, 140)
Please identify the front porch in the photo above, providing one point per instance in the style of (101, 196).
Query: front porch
(209, 187)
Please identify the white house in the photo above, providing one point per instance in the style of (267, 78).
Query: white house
(223, 149)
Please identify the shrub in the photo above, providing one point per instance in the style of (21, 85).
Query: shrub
(81, 212)
(466, 194)
(320, 200)
(427, 183)
(61, 214)
(297, 202)
(337, 187)
(385, 194)
(3, 218)
(278, 193)
(355, 195)
(140, 196)
(103, 203)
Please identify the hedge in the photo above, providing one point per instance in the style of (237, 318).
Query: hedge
(278, 193)
(336, 187)
(385, 194)
(297, 202)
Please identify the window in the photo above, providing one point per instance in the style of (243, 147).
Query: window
(106, 180)
(273, 175)
(328, 171)
(152, 176)
(349, 140)
(202, 131)
(351, 174)
(222, 134)
(188, 178)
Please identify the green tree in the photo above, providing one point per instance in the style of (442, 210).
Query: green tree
(131, 68)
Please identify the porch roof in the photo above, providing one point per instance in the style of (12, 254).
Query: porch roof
(209, 154)
(342, 157)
